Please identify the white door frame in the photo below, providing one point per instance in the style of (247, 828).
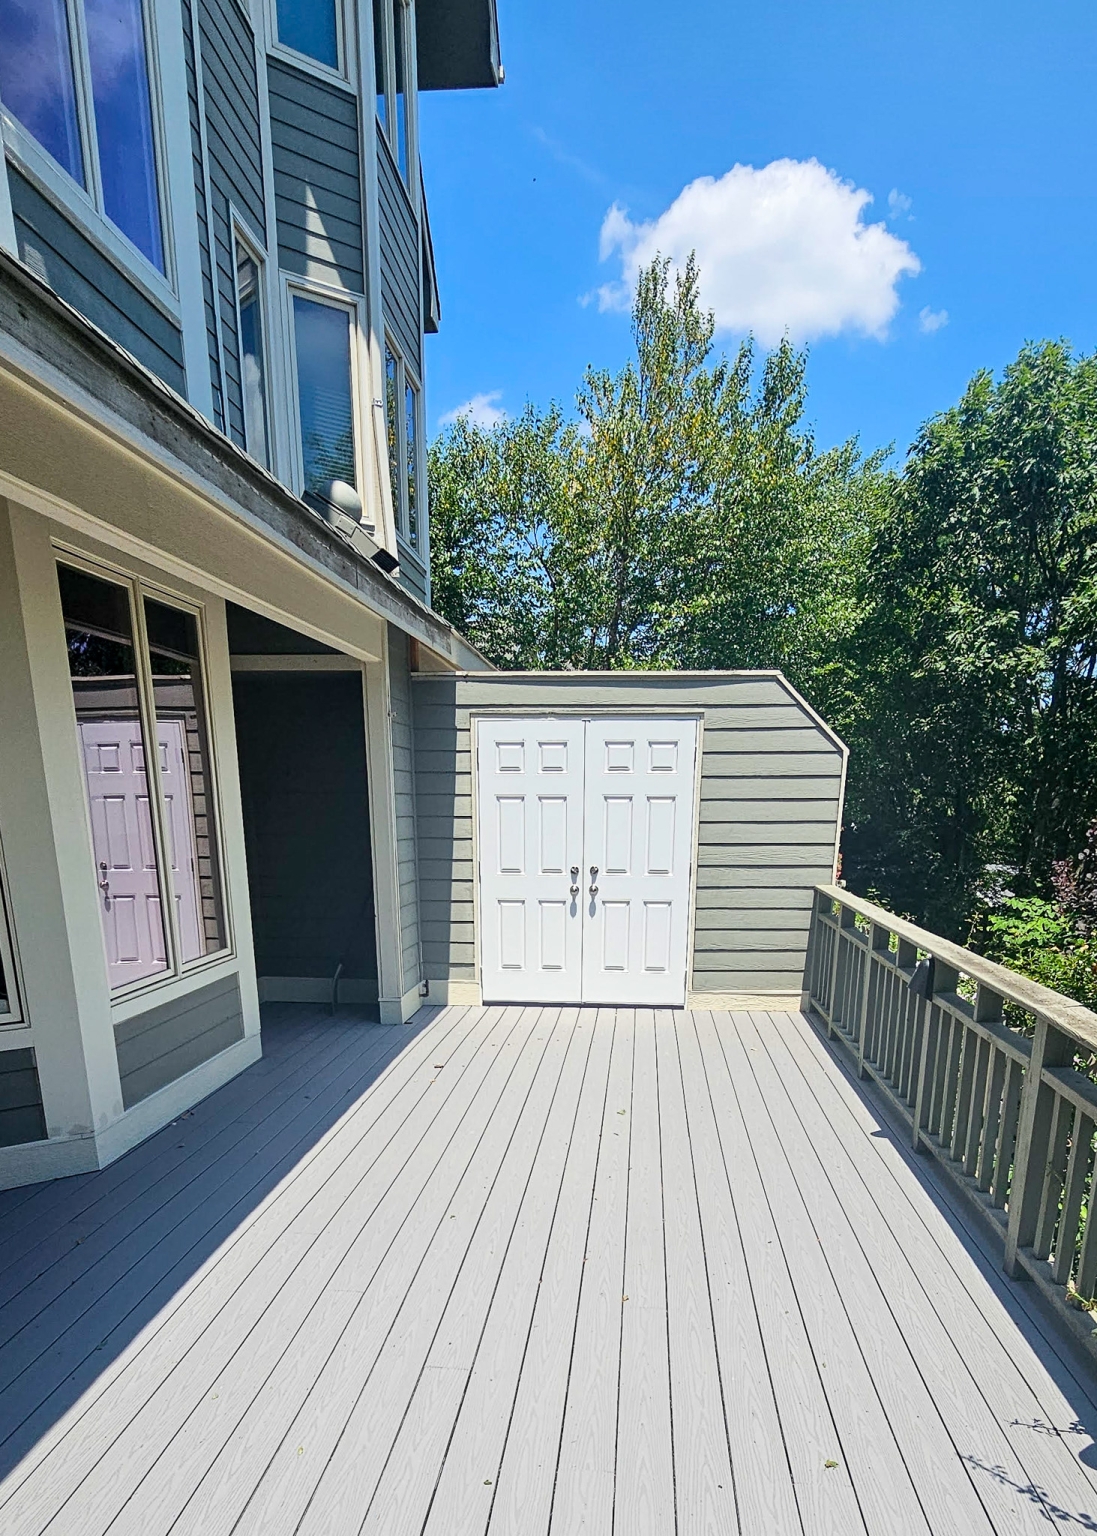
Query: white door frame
(650, 710)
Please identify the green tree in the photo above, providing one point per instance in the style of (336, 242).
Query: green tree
(684, 520)
(972, 703)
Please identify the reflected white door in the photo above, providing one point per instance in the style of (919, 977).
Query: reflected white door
(614, 800)
(125, 857)
(531, 837)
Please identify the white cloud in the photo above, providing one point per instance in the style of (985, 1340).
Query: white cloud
(898, 203)
(780, 249)
(930, 320)
(481, 411)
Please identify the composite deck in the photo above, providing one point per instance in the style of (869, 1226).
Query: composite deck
(526, 1271)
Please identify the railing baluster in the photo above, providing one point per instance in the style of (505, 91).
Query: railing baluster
(1054, 1180)
(963, 1093)
(993, 1118)
(1085, 1278)
(1007, 1135)
(977, 1116)
(1066, 1245)
(1049, 1049)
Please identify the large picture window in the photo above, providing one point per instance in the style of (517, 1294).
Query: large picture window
(76, 77)
(402, 421)
(135, 668)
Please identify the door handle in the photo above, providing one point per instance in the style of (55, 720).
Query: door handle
(574, 879)
(593, 878)
(104, 883)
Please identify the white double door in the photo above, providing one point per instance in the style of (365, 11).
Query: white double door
(585, 845)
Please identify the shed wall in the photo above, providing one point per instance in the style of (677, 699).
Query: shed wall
(768, 816)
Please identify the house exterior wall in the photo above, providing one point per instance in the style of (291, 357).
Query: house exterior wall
(769, 813)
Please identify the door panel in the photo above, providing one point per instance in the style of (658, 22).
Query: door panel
(614, 798)
(639, 815)
(530, 804)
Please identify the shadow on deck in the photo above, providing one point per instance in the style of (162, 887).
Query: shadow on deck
(529, 1270)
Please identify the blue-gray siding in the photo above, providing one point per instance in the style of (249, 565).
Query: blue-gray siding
(21, 1117)
(401, 293)
(403, 746)
(78, 271)
(156, 1047)
(231, 100)
(768, 816)
(317, 177)
(194, 100)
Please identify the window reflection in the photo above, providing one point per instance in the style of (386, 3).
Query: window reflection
(252, 380)
(325, 397)
(400, 15)
(392, 425)
(311, 27)
(411, 462)
(185, 778)
(380, 54)
(123, 121)
(102, 667)
(37, 85)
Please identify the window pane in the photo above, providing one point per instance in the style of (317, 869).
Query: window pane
(311, 27)
(379, 50)
(322, 334)
(399, 21)
(392, 425)
(185, 775)
(112, 746)
(252, 382)
(123, 121)
(411, 448)
(36, 79)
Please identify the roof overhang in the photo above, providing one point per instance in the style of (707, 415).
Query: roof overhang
(457, 45)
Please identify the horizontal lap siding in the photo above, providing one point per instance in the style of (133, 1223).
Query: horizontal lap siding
(407, 862)
(401, 296)
(21, 1117)
(317, 178)
(197, 156)
(770, 800)
(231, 99)
(78, 271)
(156, 1047)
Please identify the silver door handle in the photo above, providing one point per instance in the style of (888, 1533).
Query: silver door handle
(574, 890)
(593, 878)
(104, 883)
(575, 879)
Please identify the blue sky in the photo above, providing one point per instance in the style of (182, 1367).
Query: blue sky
(981, 117)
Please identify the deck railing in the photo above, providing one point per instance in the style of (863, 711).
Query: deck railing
(994, 1074)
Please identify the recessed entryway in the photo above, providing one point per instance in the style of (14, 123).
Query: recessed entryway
(586, 831)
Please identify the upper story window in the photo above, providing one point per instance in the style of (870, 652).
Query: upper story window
(323, 338)
(311, 27)
(394, 50)
(76, 76)
(402, 421)
(253, 374)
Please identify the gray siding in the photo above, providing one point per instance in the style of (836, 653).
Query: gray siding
(156, 1047)
(231, 100)
(401, 296)
(21, 1117)
(317, 177)
(78, 271)
(403, 765)
(413, 576)
(198, 158)
(768, 814)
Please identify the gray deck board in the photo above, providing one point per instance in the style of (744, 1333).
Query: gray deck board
(514, 1271)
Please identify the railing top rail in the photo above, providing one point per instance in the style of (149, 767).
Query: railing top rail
(1061, 1012)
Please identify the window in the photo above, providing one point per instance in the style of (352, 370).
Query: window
(10, 1012)
(253, 386)
(136, 676)
(76, 76)
(310, 27)
(325, 393)
(402, 430)
(394, 49)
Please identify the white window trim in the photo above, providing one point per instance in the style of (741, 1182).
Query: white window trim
(406, 374)
(355, 306)
(83, 205)
(242, 233)
(13, 1016)
(137, 587)
(344, 75)
(408, 178)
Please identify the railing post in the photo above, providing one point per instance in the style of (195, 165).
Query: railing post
(1050, 1048)
(833, 986)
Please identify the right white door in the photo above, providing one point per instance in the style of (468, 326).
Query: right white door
(638, 836)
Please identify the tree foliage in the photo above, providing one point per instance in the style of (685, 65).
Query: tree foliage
(942, 617)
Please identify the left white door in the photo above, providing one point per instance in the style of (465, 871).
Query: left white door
(125, 852)
(530, 803)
